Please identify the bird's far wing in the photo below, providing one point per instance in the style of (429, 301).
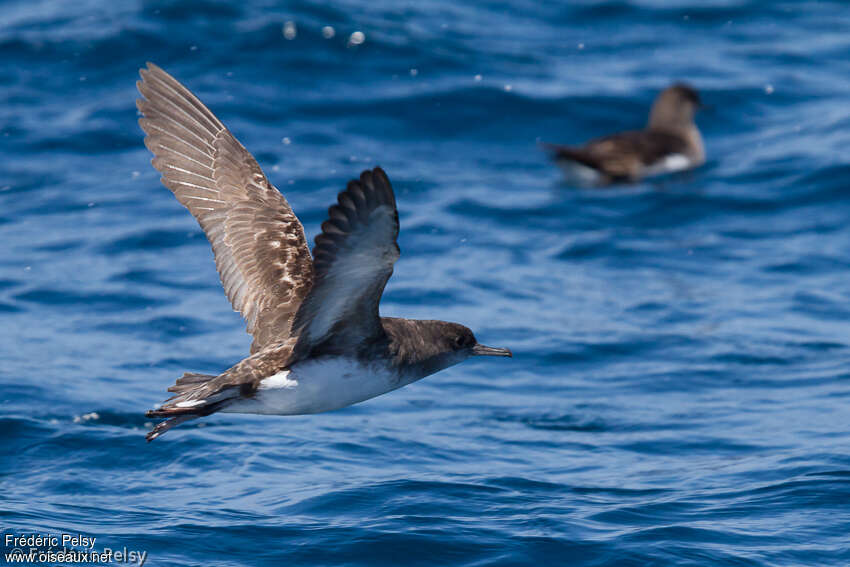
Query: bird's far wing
(571, 153)
(619, 156)
(353, 259)
(624, 155)
(655, 145)
(259, 245)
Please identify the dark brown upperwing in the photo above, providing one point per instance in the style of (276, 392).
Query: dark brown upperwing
(353, 259)
(623, 156)
(259, 245)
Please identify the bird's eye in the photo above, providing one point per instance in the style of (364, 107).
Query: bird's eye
(460, 341)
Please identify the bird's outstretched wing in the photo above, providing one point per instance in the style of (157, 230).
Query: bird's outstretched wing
(259, 245)
(353, 259)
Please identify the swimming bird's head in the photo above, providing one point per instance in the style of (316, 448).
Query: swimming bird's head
(430, 346)
(675, 107)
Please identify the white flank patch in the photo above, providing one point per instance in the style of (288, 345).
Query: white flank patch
(190, 403)
(671, 163)
(279, 380)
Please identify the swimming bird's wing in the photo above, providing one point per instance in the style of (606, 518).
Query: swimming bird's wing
(259, 245)
(353, 259)
(624, 155)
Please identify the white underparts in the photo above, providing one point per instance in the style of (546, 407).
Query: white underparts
(578, 173)
(319, 385)
(583, 175)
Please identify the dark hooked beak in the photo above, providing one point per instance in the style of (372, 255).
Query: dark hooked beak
(481, 350)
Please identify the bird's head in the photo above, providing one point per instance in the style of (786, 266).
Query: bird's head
(434, 345)
(674, 107)
(459, 341)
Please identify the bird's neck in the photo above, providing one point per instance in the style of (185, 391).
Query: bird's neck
(696, 149)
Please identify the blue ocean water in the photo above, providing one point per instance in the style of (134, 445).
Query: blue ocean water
(680, 392)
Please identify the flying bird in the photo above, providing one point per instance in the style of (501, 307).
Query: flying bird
(670, 142)
(319, 341)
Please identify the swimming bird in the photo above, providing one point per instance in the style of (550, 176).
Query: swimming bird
(670, 142)
(319, 341)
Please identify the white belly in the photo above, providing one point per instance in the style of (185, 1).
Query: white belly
(314, 386)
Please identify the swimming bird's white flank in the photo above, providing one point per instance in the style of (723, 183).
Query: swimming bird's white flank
(670, 142)
(319, 341)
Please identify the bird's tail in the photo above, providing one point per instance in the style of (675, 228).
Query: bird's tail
(578, 167)
(195, 395)
(548, 147)
(560, 152)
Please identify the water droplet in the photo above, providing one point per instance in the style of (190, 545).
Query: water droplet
(509, 88)
(768, 89)
(357, 38)
(580, 46)
(286, 141)
(328, 32)
(193, 48)
(478, 78)
(414, 72)
(289, 31)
